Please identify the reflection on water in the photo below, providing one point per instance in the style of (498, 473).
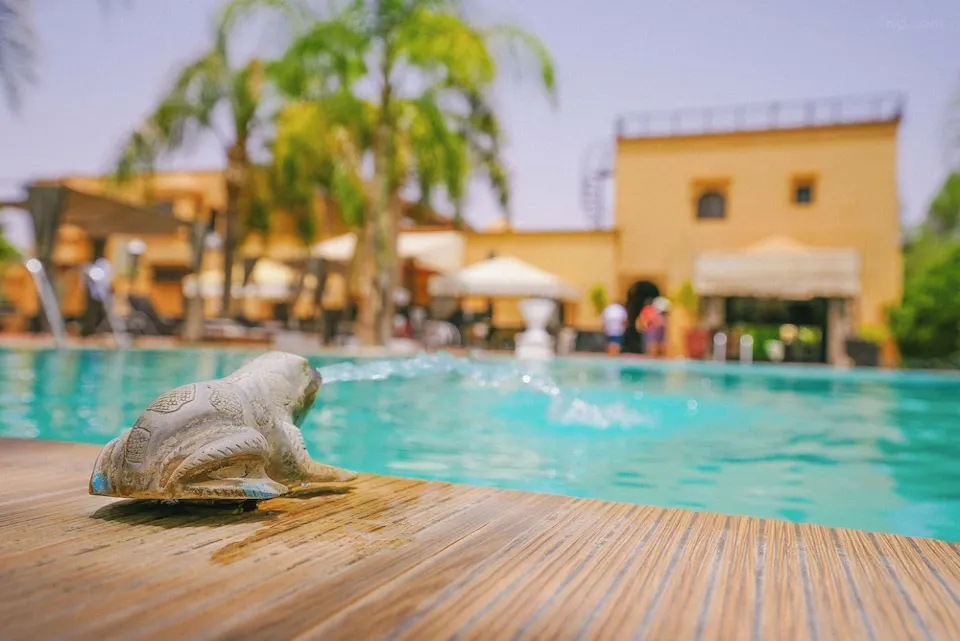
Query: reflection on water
(874, 450)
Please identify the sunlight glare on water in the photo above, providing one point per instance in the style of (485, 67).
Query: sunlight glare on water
(870, 450)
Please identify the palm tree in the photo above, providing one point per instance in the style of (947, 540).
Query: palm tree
(205, 93)
(432, 125)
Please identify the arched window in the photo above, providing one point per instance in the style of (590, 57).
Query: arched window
(712, 204)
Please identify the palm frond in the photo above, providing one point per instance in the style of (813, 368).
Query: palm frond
(527, 47)
(185, 112)
(17, 49)
(316, 150)
(327, 58)
(247, 87)
(257, 219)
(442, 46)
(297, 14)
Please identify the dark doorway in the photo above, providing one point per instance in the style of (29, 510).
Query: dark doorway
(762, 318)
(638, 294)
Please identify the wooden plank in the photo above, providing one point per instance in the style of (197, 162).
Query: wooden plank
(584, 584)
(837, 604)
(430, 591)
(408, 559)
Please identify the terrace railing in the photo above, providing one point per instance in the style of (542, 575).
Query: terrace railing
(824, 112)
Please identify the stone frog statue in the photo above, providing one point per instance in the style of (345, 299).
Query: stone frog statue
(232, 439)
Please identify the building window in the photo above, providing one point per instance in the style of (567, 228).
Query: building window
(803, 191)
(712, 205)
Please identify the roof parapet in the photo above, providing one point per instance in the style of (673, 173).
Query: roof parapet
(767, 116)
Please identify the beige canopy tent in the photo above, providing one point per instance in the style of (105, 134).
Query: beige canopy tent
(779, 268)
(440, 251)
(503, 277)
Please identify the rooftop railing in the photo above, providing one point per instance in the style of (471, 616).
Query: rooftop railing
(824, 112)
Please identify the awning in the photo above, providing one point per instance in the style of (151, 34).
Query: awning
(503, 277)
(779, 268)
(101, 216)
(51, 206)
(440, 251)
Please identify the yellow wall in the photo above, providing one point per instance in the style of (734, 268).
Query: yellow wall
(583, 259)
(856, 201)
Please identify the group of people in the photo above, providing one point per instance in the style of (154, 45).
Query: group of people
(651, 324)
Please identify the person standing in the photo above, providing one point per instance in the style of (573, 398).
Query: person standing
(653, 324)
(614, 325)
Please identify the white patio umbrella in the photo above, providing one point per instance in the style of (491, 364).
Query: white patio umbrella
(270, 280)
(503, 277)
(440, 251)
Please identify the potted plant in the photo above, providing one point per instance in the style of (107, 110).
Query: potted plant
(8, 255)
(594, 341)
(598, 298)
(696, 338)
(864, 348)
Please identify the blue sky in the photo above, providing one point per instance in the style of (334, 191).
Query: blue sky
(100, 73)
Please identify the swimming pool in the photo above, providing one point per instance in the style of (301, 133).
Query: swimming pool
(870, 450)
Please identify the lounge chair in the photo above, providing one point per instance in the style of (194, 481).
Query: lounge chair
(145, 321)
(228, 329)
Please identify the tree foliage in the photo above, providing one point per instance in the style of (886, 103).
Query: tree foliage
(375, 100)
(927, 323)
(8, 253)
(403, 86)
(943, 218)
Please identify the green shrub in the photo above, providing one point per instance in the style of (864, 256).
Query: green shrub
(686, 298)
(873, 333)
(927, 323)
(8, 254)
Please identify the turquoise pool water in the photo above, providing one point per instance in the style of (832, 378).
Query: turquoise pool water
(871, 450)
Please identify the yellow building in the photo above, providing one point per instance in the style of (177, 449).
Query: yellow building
(779, 213)
(804, 206)
(770, 214)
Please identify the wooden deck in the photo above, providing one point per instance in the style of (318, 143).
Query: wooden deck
(404, 559)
